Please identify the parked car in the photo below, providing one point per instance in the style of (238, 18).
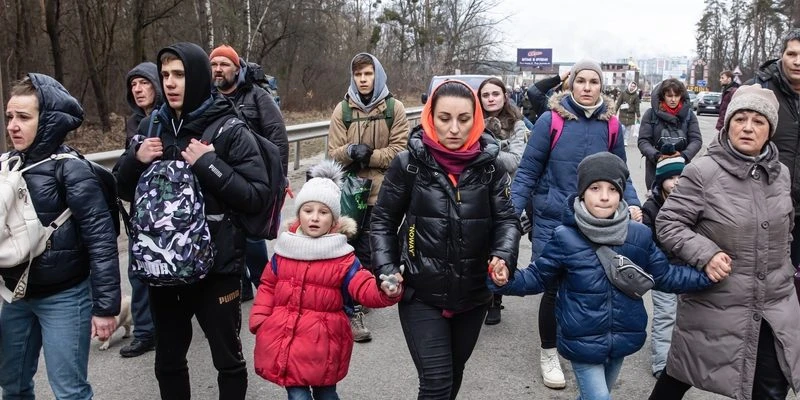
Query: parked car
(708, 102)
(693, 99)
(473, 80)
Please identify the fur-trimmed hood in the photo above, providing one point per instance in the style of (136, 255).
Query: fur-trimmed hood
(345, 225)
(563, 104)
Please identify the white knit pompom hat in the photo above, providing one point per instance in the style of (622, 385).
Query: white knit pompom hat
(324, 187)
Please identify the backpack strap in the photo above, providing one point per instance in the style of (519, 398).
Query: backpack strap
(556, 127)
(613, 132)
(154, 122)
(347, 300)
(389, 112)
(347, 114)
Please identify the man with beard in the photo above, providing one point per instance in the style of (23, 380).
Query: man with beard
(231, 175)
(262, 115)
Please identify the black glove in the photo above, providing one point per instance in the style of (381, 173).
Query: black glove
(359, 152)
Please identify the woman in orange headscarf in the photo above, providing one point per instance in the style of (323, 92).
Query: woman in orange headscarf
(453, 201)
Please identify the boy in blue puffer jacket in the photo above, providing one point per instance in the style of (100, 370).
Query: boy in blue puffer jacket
(598, 325)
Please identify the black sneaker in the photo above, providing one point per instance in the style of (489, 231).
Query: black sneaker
(137, 347)
(493, 316)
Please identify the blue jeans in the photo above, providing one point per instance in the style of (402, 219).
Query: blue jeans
(59, 323)
(665, 305)
(595, 380)
(256, 258)
(320, 392)
(140, 307)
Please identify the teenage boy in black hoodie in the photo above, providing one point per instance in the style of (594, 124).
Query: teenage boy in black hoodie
(233, 178)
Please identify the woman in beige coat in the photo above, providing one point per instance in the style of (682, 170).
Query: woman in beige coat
(732, 214)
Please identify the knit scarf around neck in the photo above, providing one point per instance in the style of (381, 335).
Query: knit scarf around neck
(588, 111)
(671, 111)
(603, 231)
(452, 162)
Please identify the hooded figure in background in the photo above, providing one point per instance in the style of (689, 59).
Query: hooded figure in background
(143, 93)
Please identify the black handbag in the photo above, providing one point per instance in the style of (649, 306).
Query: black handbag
(624, 274)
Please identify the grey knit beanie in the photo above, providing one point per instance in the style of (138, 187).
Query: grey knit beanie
(754, 98)
(582, 65)
(602, 166)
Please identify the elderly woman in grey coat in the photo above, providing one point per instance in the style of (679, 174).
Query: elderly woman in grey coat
(732, 214)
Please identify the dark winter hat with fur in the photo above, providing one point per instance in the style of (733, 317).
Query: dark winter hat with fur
(603, 166)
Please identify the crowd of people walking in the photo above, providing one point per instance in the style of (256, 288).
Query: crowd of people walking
(427, 218)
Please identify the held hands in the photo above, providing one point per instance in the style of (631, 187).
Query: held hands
(195, 150)
(390, 284)
(149, 150)
(719, 267)
(359, 152)
(498, 271)
(103, 327)
(636, 213)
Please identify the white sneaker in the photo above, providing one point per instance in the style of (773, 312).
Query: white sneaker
(551, 369)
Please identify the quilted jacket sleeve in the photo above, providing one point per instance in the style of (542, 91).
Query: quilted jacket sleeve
(364, 289)
(90, 213)
(680, 212)
(262, 305)
(532, 165)
(387, 215)
(235, 172)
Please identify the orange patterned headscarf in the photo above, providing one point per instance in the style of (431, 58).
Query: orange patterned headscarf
(477, 127)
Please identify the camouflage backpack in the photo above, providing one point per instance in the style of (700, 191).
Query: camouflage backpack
(171, 242)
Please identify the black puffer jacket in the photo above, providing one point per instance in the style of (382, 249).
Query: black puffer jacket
(787, 135)
(233, 176)
(449, 234)
(86, 245)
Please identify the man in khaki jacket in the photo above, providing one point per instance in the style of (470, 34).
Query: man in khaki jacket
(368, 128)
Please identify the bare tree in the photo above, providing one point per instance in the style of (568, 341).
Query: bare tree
(52, 12)
(209, 24)
(91, 65)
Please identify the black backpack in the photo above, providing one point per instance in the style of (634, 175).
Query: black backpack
(255, 75)
(108, 184)
(266, 223)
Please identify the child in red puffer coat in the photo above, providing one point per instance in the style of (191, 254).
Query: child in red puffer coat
(303, 336)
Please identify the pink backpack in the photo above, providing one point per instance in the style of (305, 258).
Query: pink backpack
(557, 126)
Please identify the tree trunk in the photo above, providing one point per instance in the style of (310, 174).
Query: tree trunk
(249, 29)
(52, 14)
(210, 23)
(91, 66)
(138, 32)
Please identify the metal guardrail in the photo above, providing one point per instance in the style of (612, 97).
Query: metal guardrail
(296, 133)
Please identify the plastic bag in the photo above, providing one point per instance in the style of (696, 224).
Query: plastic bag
(355, 193)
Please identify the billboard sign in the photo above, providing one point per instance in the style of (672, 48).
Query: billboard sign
(534, 57)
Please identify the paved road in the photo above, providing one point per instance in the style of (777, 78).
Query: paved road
(503, 366)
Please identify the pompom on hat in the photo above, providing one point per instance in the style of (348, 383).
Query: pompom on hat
(324, 187)
(754, 98)
(227, 52)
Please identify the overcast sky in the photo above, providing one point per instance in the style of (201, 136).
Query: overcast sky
(605, 30)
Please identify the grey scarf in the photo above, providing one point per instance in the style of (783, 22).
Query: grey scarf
(603, 231)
